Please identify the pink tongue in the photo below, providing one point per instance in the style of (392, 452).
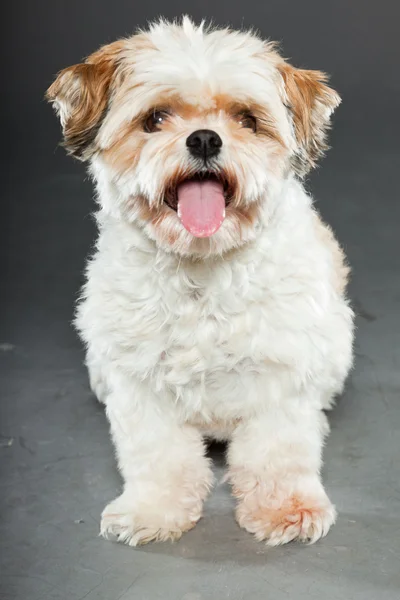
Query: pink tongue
(201, 207)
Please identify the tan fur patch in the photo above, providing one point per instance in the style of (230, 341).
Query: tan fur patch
(311, 102)
(295, 514)
(83, 91)
(244, 217)
(124, 152)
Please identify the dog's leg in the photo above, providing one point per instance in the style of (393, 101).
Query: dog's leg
(97, 384)
(166, 473)
(97, 380)
(274, 463)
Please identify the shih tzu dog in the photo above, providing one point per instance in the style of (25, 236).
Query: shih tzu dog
(215, 301)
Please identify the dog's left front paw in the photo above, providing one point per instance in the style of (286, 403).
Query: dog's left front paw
(279, 521)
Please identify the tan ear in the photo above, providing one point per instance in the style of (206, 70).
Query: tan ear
(311, 103)
(80, 95)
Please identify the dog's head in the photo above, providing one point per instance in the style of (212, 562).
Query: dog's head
(191, 132)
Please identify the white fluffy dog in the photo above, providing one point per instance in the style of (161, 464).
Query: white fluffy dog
(215, 300)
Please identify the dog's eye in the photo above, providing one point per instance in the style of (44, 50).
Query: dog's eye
(155, 120)
(248, 121)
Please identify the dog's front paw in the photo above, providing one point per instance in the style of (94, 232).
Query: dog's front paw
(305, 520)
(281, 516)
(122, 521)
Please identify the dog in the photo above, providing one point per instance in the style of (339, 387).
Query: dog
(215, 302)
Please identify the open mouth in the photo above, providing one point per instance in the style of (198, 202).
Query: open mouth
(200, 202)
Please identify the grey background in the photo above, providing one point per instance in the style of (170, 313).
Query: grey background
(57, 466)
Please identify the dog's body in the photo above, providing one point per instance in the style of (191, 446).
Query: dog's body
(239, 330)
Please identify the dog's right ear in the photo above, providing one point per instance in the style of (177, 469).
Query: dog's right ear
(80, 95)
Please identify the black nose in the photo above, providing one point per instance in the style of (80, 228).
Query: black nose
(204, 143)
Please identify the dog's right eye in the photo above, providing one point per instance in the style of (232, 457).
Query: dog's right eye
(155, 120)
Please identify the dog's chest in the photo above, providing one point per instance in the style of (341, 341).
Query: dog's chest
(201, 334)
(204, 336)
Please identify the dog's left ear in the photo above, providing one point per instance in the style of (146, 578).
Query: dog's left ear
(81, 94)
(311, 103)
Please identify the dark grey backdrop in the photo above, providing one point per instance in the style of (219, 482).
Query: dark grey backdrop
(57, 466)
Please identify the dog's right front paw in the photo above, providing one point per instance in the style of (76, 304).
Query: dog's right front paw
(121, 522)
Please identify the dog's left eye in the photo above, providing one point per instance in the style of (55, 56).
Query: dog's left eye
(155, 120)
(248, 121)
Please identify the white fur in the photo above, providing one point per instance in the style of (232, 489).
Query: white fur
(246, 339)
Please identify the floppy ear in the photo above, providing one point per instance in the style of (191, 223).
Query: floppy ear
(311, 103)
(80, 95)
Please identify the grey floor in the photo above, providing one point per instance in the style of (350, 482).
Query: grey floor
(57, 466)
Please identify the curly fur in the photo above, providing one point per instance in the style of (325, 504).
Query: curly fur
(244, 336)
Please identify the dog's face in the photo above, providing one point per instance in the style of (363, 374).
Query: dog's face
(190, 133)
